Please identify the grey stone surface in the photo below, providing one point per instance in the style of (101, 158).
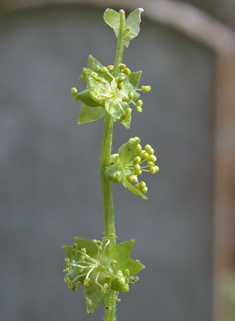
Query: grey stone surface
(49, 180)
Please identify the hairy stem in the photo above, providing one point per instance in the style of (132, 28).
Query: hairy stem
(106, 185)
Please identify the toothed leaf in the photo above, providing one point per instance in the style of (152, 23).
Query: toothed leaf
(133, 266)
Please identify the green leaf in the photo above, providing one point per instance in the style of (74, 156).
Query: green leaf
(93, 294)
(133, 25)
(120, 253)
(114, 173)
(88, 114)
(91, 248)
(127, 152)
(133, 266)
(132, 188)
(134, 78)
(112, 18)
(68, 250)
(93, 64)
(126, 122)
(101, 89)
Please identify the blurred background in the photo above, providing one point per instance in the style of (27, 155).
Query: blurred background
(49, 166)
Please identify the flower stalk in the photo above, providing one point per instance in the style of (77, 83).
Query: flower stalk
(106, 184)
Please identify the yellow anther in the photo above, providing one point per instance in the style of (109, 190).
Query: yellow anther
(125, 99)
(74, 91)
(152, 158)
(92, 94)
(137, 160)
(147, 148)
(128, 111)
(151, 151)
(113, 262)
(94, 74)
(123, 116)
(144, 190)
(145, 155)
(119, 86)
(82, 77)
(138, 173)
(87, 282)
(138, 109)
(121, 66)
(110, 67)
(138, 148)
(136, 138)
(139, 103)
(154, 169)
(137, 167)
(99, 79)
(104, 70)
(132, 178)
(131, 94)
(142, 185)
(150, 164)
(98, 100)
(127, 71)
(145, 89)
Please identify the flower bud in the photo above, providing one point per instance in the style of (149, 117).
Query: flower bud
(145, 89)
(74, 91)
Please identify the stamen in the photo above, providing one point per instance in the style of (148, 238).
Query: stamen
(104, 70)
(127, 71)
(121, 66)
(74, 91)
(110, 67)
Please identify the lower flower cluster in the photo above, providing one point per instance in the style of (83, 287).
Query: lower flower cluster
(100, 268)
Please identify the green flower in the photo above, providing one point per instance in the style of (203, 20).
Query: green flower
(100, 268)
(105, 93)
(127, 165)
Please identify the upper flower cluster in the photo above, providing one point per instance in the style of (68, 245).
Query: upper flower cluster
(100, 268)
(106, 93)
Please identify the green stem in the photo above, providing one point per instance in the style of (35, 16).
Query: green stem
(106, 185)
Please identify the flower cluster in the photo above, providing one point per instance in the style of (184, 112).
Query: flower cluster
(128, 164)
(106, 93)
(100, 268)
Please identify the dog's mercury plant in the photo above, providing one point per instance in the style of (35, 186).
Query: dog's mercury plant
(105, 268)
